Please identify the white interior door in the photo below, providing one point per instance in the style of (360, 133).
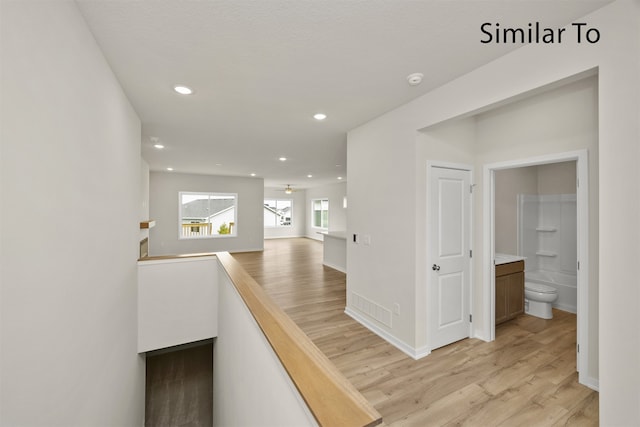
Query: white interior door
(450, 253)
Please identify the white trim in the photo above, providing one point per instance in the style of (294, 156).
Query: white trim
(321, 199)
(592, 383)
(582, 194)
(488, 274)
(241, 250)
(449, 165)
(458, 166)
(145, 263)
(317, 237)
(400, 345)
(335, 267)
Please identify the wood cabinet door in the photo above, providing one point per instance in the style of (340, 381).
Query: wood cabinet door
(515, 295)
(502, 287)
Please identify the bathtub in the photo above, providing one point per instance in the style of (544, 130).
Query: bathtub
(565, 284)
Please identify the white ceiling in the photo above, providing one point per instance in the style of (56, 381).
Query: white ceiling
(261, 68)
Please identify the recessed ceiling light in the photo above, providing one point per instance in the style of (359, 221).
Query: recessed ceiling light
(309, 176)
(158, 146)
(339, 177)
(415, 79)
(169, 169)
(183, 90)
(319, 116)
(253, 174)
(218, 164)
(283, 159)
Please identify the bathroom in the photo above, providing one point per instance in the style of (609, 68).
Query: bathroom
(535, 218)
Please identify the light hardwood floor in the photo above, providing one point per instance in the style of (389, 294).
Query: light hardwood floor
(526, 377)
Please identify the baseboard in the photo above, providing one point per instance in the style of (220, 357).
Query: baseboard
(592, 383)
(335, 267)
(421, 352)
(480, 336)
(400, 345)
(568, 308)
(238, 251)
(283, 237)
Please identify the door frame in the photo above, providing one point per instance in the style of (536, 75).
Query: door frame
(429, 222)
(488, 270)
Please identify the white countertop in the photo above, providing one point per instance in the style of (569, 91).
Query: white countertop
(506, 259)
(335, 234)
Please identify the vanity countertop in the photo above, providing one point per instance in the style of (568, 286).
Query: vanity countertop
(506, 259)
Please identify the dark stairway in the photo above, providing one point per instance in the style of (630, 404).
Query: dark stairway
(179, 386)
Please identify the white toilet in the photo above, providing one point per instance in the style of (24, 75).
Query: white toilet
(538, 299)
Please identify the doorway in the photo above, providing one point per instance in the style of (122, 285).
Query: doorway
(582, 247)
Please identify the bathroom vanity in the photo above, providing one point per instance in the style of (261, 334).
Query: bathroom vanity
(509, 287)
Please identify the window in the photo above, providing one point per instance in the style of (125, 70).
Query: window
(207, 215)
(278, 213)
(320, 213)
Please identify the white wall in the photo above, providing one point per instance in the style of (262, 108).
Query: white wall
(508, 184)
(298, 224)
(70, 149)
(559, 178)
(554, 178)
(337, 213)
(177, 301)
(250, 385)
(383, 166)
(163, 206)
(560, 120)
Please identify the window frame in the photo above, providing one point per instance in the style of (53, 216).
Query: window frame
(313, 216)
(234, 228)
(276, 200)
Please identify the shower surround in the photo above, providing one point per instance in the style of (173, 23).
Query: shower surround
(547, 238)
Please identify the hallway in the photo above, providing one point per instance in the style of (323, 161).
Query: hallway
(526, 377)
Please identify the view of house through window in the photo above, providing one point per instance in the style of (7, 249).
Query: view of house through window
(320, 213)
(207, 214)
(277, 213)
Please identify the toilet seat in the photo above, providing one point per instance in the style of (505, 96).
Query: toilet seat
(539, 287)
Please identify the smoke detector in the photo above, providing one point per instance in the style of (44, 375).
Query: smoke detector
(415, 79)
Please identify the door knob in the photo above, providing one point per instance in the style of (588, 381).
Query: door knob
(435, 267)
